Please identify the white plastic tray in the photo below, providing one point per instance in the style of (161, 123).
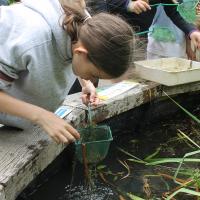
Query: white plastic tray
(169, 71)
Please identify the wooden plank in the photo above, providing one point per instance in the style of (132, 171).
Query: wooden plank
(144, 92)
(179, 89)
(23, 155)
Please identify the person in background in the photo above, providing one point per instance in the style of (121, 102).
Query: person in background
(44, 45)
(140, 13)
(193, 53)
(170, 43)
(140, 21)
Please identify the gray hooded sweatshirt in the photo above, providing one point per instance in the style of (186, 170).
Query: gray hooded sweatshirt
(35, 52)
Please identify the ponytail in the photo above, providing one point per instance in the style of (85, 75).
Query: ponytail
(75, 15)
(108, 39)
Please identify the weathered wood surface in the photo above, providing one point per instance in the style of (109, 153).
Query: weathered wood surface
(24, 154)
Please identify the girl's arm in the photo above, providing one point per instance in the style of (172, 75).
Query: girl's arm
(57, 128)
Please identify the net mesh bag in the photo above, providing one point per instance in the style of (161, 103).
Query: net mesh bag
(163, 34)
(187, 10)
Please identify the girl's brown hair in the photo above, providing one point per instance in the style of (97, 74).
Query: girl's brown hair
(108, 39)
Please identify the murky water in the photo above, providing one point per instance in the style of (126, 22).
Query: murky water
(118, 175)
(100, 192)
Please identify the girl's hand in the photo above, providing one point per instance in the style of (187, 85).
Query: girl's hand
(57, 128)
(89, 94)
(190, 51)
(138, 6)
(195, 39)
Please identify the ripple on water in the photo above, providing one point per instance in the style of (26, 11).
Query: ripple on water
(84, 193)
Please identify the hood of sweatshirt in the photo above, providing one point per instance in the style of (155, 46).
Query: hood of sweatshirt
(52, 13)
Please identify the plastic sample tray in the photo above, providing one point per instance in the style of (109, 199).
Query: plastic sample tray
(169, 71)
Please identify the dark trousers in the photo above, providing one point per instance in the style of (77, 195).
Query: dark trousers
(76, 87)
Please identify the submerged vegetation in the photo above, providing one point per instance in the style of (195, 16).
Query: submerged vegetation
(151, 159)
(178, 177)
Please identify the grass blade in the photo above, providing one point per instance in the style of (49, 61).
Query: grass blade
(185, 136)
(186, 111)
(132, 156)
(159, 161)
(183, 190)
(134, 197)
(153, 154)
(183, 160)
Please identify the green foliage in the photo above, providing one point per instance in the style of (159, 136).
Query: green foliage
(183, 190)
(11, 1)
(196, 177)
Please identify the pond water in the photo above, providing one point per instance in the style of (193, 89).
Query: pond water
(140, 133)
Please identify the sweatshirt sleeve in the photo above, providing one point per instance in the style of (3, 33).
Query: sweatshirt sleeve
(176, 18)
(10, 48)
(9, 69)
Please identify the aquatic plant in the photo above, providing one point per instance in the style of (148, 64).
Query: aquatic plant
(190, 184)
